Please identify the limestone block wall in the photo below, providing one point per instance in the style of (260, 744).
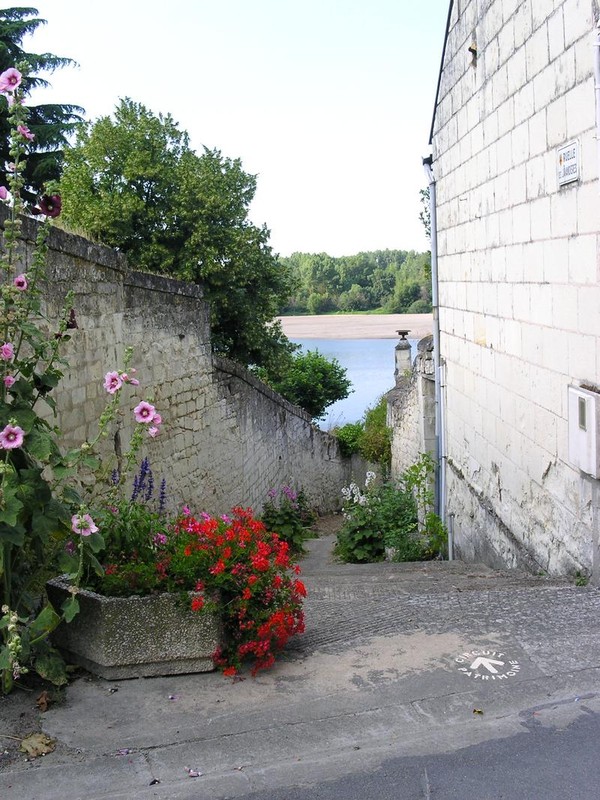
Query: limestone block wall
(226, 439)
(519, 277)
(411, 411)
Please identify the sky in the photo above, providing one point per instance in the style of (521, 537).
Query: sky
(328, 102)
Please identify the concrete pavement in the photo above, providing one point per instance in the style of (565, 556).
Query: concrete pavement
(405, 673)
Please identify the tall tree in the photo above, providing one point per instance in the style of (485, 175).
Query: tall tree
(51, 123)
(133, 182)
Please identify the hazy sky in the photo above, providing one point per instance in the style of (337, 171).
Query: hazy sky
(329, 102)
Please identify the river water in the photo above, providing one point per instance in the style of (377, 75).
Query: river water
(370, 368)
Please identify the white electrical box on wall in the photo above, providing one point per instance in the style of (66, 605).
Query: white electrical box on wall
(584, 430)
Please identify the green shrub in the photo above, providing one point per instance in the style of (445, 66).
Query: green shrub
(378, 517)
(309, 380)
(387, 515)
(375, 441)
(349, 436)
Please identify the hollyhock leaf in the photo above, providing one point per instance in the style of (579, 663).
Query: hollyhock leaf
(45, 622)
(95, 541)
(13, 534)
(22, 390)
(40, 444)
(47, 380)
(61, 471)
(5, 659)
(51, 666)
(24, 417)
(70, 608)
(91, 462)
(42, 527)
(71, 496)
(9, 515)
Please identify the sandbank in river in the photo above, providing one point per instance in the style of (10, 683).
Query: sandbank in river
(356, 326)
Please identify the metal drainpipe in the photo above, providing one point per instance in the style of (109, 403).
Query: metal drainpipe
(438, 367)
(597, 88)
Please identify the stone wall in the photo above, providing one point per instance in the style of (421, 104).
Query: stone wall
(226, 438)
(411, 411)
(519, 277)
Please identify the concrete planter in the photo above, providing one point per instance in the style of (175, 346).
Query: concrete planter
(134, 637)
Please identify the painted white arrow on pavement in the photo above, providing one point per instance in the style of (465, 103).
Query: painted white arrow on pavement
(487, 663)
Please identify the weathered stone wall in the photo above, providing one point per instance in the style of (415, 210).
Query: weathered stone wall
(226, 438)
(411, 411)
(519, 277)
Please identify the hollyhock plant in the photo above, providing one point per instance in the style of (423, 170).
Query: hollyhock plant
(49, 205)
(25, 132)
(7, 351)
(10, 80)
(83, 524)
(112, 382)
(11, 436)
(144, 412)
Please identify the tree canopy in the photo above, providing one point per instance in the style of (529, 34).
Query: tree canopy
(311, 380)
(394, 281)
(133, 181)
(51, 123)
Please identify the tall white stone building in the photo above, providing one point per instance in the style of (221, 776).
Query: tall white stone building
(515, 154)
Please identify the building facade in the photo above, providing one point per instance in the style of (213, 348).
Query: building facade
(515, 153)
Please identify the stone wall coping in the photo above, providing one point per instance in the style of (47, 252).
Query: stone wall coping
(228, 367)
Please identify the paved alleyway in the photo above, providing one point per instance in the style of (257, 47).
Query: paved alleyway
(411, 681)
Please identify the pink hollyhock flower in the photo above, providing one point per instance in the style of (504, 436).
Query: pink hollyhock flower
(153, 431)
(11, 436)
(8, 381)
(21, 282)
(26, 133)
(4, 193)
(157, 419)
(112, 382)
(144, 412)
(7, 351)
(10, 79)
(50, 205)
(83, 524)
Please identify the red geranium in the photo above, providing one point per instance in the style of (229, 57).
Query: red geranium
(251, 569)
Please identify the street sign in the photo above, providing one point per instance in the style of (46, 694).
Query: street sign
(567, 163)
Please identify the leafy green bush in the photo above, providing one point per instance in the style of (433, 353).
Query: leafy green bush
(380, 516)
(309, 380)
(387, 516)
(349, 436)
(375, 442)
(370, 436)
(419, 306)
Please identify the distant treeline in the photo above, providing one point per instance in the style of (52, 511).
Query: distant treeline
(391, 281)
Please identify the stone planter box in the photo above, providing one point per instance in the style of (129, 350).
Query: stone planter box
(133, 637)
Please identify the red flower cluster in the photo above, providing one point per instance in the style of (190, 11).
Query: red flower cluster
(252, 571)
